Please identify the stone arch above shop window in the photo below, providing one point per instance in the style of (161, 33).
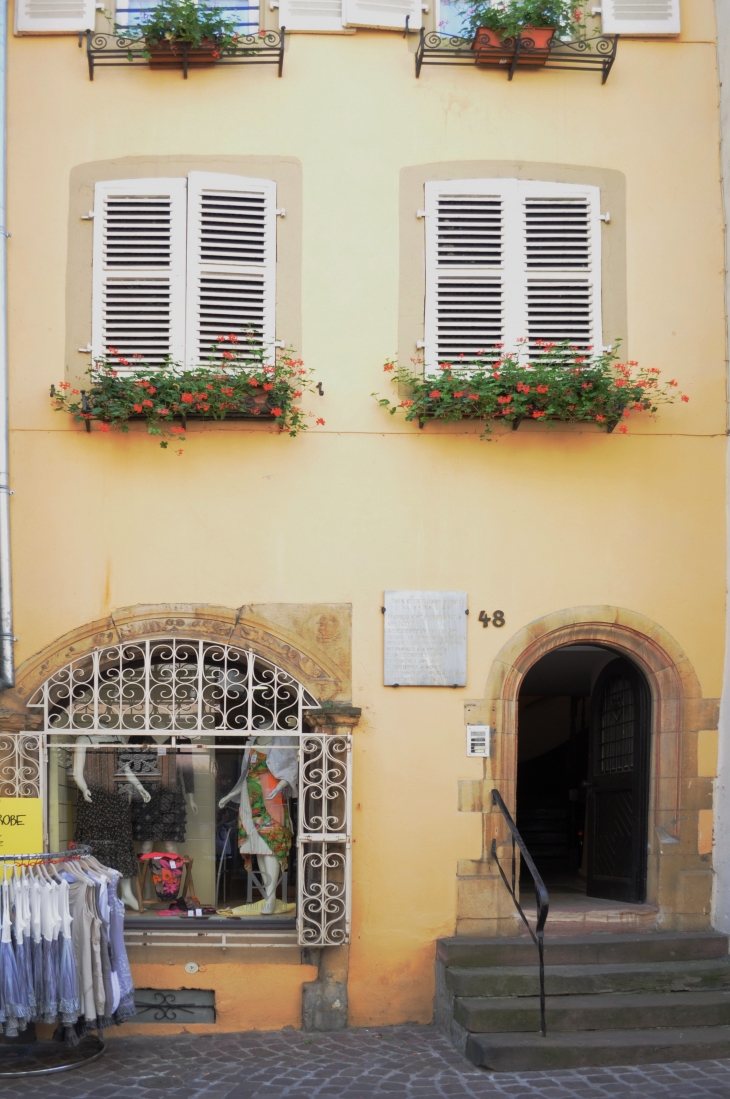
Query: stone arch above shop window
(172, 685)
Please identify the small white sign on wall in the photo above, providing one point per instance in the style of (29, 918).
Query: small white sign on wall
(477, 740)
(425, 638)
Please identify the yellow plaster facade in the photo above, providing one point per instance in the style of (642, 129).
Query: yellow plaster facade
(573, 532)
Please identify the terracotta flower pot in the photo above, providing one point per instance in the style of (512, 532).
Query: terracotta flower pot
(492, 48)
(535, 45)
(169, 55)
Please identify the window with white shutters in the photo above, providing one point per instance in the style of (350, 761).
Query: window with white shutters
(640, 17)
(513, 263)
(54, 16)
(179, 262)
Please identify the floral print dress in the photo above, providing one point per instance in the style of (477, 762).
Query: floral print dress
(269, 819)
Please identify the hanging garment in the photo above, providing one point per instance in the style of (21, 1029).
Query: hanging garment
(105, 825)
(68, 982)
(167, 776)
(62, 953)
(11, 996)
(120, 963)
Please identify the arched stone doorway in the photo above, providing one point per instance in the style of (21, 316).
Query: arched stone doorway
(679, 873)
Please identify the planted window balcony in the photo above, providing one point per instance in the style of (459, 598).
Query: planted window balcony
(179, 35)
(518, 35)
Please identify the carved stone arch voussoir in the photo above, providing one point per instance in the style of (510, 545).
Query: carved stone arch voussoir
(292, 646)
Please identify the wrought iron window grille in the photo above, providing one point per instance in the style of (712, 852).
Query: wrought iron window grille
(595, 54)
(252, 49)
(187, 689)
(167, 1006)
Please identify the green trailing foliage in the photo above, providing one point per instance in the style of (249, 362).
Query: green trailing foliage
(560, 384)
(242, 382)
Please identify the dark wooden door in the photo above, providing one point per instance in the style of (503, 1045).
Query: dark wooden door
(618, 772)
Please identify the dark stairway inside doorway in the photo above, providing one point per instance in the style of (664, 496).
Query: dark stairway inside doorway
(623, 999)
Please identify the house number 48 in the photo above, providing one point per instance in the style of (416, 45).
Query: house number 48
(497, 618)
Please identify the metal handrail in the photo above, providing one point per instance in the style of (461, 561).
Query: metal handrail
(541, 895)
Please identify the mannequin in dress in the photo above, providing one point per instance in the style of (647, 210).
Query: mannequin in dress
(268, 777)
(99, 793)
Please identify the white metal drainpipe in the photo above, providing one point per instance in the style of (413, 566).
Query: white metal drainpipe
(7, 662)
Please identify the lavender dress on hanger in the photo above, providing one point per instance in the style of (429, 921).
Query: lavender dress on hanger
(68, 982)
(10, 988)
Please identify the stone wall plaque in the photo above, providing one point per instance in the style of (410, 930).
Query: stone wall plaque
(425, 639)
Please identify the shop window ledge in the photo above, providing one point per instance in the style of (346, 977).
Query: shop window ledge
(255, 49)
(595, 54)
(195, 924)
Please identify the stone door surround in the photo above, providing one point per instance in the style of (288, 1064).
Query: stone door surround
(679, 867)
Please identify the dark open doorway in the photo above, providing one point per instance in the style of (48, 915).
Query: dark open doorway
(582, 772)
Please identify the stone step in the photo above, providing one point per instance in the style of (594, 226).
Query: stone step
(599, 949)
(616, 1011)
(562, 980)
(526, 1052)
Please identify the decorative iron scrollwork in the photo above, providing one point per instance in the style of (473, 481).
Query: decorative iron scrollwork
(175, 686)
(323, 915)
(264, 48)
(597, 54)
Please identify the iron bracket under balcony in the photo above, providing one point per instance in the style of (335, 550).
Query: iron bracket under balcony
(595, 54)
(264, 48)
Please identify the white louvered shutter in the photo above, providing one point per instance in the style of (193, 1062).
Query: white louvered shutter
(560, 231)
(231, 263)
(54, 16)
(311, 15)
(510, 260)
(466, 267)
(388, 14)
(138, 305)
(640, 17)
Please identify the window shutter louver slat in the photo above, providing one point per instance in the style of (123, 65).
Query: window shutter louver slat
(138, 304)
(231, 264)
(631, 17)
(311, 15)
(388, 14)
(465, 265)
(54, 16)
(562, 257)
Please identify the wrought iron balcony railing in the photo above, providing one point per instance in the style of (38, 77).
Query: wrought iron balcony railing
(264, 48)
(591, 54)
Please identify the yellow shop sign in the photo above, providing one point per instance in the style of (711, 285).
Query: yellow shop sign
(21, 826)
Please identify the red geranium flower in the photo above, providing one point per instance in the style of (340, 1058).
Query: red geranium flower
(277, 412)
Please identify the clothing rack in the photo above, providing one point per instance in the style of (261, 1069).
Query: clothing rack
(81, 851)
(26, 1048)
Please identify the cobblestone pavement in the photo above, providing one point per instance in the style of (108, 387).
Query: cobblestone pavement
(413, 1062)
